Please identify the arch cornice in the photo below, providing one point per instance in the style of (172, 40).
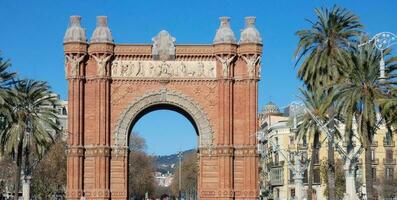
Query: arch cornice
(167, 97)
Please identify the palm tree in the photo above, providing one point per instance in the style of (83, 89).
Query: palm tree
(6, 79)
(321, 51)
(362, 94)
(30, 130)
(316, 102)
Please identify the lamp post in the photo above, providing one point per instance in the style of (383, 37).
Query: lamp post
(350, 159)
(180, 174)
(298, 167)
(382, 41)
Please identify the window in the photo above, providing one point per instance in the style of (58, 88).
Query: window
(389, 156)
(373, 174)
(306, 177)
(291, 139)
(277, 193)
(372, 154)
(291, 176)
(293, 193)
(316, 175)
(276, 159)
(316, 159)
(389, 173)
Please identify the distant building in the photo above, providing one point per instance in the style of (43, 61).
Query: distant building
(163, 180)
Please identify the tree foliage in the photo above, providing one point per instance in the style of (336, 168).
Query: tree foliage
(141, 169)
(49, 177)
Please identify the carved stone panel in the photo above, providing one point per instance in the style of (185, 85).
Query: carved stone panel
(163, 69)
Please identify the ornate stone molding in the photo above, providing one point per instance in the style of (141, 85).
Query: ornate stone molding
(225, 61)
(101, 64)
(251, 62)
(122, 68)
(74, 63)
(164, 96)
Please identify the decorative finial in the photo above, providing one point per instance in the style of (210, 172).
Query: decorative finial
(224, 34)
(74, 33)
(102, 21)
(250, 34)
(250, 21)
(102, 33)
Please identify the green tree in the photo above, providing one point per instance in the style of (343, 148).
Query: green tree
(31, 126)
(321, 51)
(360, 97)
(6, 79)
(339, 178)
(317, 102)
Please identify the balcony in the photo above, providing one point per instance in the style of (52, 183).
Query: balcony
(374, 144)
(388, 143)
(373, 162)
(389, 161)
(277, 176)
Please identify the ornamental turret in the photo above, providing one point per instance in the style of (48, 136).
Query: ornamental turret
(224, 34)
(250, 34)
(75, 33)
(102, 33)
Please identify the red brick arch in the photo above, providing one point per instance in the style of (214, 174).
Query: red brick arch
(111, 84)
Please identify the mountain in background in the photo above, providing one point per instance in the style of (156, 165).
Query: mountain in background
(168, 163)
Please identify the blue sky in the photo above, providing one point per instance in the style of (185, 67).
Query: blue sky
(32, 31)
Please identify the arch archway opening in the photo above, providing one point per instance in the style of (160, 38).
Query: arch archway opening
(166, 163)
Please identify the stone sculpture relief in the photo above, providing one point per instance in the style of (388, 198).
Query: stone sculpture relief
(251, 64)
(163, 69)
(74, 62)
(225, 61)
(163, 46)
(101, 64)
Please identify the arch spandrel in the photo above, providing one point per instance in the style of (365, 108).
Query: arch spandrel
(166, 97)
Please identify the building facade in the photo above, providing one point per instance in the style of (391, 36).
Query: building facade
(276, 174)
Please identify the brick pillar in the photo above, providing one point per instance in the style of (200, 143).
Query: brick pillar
(226, 55)
(101, 54)
(250, 55)
(75, 54)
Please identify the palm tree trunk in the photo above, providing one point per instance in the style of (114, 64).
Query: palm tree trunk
(310, 177)
(331, 166)
(368, 173)
(17, 180)
(311, 167)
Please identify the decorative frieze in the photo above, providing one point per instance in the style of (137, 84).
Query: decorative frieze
(251, 62)
(75, 151)
(74, 63)
(163, 69)
(245, 151)
(94, 151)
(225, 61)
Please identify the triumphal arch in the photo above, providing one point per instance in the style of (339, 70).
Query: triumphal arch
(112, 85)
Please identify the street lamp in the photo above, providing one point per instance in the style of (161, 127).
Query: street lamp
(382, 41)
(180, 174)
